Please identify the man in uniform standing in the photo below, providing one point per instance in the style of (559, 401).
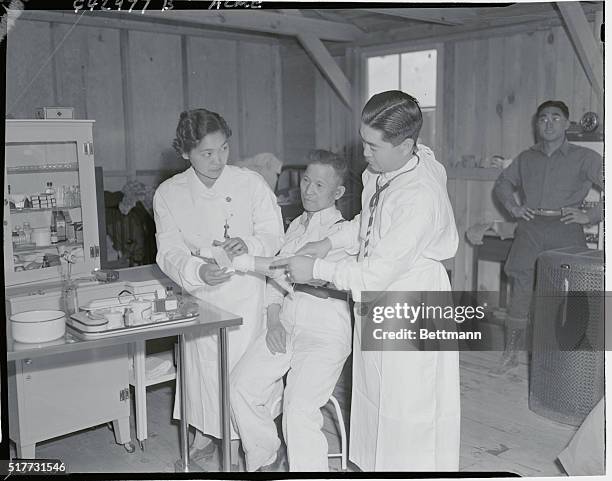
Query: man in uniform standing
(553, 178)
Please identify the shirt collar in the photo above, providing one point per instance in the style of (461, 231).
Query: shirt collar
(421, 152)
(326, 216)
(563, 148)
(198, 188)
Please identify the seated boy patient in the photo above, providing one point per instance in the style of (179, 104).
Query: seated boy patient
(308, 334)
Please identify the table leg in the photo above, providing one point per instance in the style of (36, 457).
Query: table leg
(184, 461)
(225, 407)
(140, 389)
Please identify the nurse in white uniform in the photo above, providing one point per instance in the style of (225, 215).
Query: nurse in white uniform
(212, 202)
(405, 410)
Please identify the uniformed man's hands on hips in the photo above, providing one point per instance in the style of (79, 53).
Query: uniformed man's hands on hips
(212, 275)
(299, 268)
(574, 216)
(234, 246)
(522, 212)
(316, 249)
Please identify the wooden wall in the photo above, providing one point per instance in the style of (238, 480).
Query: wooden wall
(134, 82)
(491, 87)
(497, 84)
(314, 116)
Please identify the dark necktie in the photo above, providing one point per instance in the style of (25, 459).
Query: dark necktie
(374, 204)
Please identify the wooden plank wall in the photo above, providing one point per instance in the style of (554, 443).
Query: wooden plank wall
(498, 83)
(135, 82)
(492, 86)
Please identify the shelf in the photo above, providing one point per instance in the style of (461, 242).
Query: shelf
(39, 169)
(33, 248)
(473, 173)
(30, 210)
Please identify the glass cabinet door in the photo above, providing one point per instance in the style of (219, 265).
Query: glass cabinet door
(45, 217)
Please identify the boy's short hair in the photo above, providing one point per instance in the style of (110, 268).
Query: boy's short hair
(396, 114)
(553, 103)
(335, 161)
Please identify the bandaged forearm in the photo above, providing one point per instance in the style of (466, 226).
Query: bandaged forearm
(323, 270)
(244, 263)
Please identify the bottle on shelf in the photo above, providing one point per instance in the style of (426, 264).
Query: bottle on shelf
(60, 197)
(50, 189)
(15, 237)
(11, 203)
(59, 220)
(27, 229)
(171, 301)
(54, 238)
(22, 236)
(68, 197)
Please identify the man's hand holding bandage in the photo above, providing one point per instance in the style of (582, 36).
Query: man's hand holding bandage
(299, 268)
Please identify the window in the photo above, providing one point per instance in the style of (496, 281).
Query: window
(414, 73)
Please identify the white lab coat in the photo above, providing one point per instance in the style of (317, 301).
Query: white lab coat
(405, 411)
(188, 217)
(317, 345)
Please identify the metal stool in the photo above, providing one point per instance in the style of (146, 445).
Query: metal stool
(340, 419)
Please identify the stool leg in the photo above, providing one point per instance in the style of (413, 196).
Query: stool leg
(342, 429)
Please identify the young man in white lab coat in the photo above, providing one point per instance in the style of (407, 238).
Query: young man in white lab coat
(212, 202)
(308, 335)
(405, 410)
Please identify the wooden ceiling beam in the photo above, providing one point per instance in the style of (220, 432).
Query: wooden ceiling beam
(325, 62)
(490, 25)
(584, 42)
(442, 16)
(261, 21)
(327, 65)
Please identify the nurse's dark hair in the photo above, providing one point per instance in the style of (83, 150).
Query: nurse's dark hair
(396, 114)
(553, 103)
(194, 125)
(335, 161)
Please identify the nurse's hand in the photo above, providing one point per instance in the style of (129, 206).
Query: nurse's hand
(276, 338)
(212, 275)
(234, 246)
(522, 212)
(299, 268)
(316, 249)
(574, 216)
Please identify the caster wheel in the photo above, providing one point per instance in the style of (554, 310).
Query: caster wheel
(142, 445)
(129, 447)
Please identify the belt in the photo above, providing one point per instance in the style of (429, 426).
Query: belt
(548, 212)
(320, 292)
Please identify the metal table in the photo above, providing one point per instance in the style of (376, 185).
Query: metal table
(210, 318)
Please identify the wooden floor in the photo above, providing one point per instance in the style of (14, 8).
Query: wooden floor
(498, 431)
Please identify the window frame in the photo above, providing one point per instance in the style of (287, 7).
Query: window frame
(382, 50)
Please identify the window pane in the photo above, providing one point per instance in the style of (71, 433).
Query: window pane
(418, 76)
(383, 74)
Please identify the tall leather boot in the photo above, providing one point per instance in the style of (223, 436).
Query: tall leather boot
(515, 342)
